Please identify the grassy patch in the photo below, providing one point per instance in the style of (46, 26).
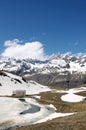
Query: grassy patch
(82, 93)
(55, 99)
(74, 122)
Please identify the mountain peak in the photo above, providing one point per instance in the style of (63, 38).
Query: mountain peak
(57, 63)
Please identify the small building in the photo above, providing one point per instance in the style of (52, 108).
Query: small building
(19, 93)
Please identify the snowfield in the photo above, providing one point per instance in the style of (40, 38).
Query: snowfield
(20, 112)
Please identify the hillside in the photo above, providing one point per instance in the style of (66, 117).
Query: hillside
(10, 83)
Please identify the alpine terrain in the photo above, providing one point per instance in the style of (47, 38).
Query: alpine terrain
(43, 94)
(60, 69)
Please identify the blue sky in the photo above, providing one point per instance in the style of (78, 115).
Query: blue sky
(60, 25)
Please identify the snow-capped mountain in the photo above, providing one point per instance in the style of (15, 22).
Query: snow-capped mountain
(58, 64)
(21, 67)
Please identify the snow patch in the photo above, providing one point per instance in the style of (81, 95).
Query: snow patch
(70, 97)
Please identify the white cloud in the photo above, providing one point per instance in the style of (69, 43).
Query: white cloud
(14, 42)
(32, 50)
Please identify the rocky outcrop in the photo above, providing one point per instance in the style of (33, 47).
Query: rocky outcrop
(53, 79)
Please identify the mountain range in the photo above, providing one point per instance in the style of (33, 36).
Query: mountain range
(58, 70)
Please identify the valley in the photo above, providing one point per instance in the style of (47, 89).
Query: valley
(43, 94)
